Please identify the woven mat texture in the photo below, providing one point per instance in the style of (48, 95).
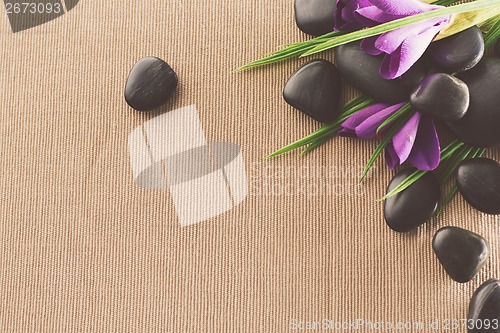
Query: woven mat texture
(84, 249)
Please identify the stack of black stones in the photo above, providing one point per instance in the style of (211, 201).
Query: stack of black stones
(456, 84)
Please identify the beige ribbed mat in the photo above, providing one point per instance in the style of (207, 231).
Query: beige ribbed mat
(84, 249)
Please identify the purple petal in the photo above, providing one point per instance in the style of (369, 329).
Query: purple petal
(403, 7)
(348, 133)
(372, 16)
(390, 41)
(368, 45)
(351, 7)
(356, 119)
(353, 3)
(426, 151)
(345, 19)
(368, 128)
(396, 64)
(391, 158)
(404, 139)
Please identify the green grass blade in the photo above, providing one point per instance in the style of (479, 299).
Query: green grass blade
(449, 197)
(455, 162)
(405, 109)
(450, 149)
(328, 130)
(450, 146)
(290, 51)
(376, 153)
(445, 2)
(407, 182)
(479, 152)
(358, 100)
(325, 130)
(417, 174)
(492, 34)
(382, 144)
(315, 145)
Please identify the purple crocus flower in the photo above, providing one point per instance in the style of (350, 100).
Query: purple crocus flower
(364, 123)
(402, 47)
(417, 141)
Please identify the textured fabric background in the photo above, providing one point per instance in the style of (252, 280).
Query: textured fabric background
(83, 249)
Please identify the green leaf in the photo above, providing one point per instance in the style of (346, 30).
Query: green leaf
(444, 2)
(417, 174)
(486, 25)
(407, 182)
(382, 144)
(450, 169)
(448, 199)
(493, 34)
(290, 51)
(450, 150)
(315, 145)
(328, 130)
(404, 110)
(463, 21)
(320, 133)
(479, 152)
(450, 146)
(392, 25)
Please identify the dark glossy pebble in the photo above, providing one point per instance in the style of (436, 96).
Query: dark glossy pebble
(458, 52)
(363, 72)
(315, 17)
(441, 95)
(461, 252)
(484, 308)
(478, 180)
(150, 84)
(315, 90)
(415, 205)
(480, 127)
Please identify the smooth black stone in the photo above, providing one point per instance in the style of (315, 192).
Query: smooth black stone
(315, 90)
(315, 17)
(150, 84)
(458, 52)
(480, 127)
(461, 252)
(415, 205)
(478, 180)
(441, 95)
(484, 308)
(363, 72)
